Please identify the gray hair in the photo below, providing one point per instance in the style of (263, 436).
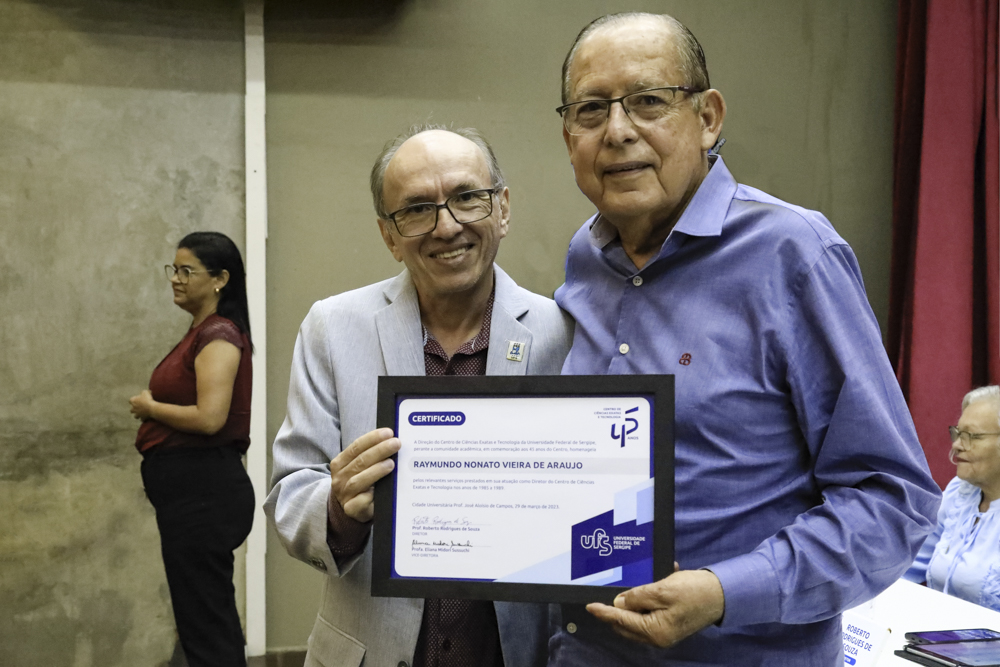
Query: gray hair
(382, 161)
(988, 393)
(689, 51)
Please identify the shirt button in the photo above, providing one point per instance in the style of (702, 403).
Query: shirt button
(317, 563)
(571, 628)
(402, 663)
(637, 281)
(623, 348)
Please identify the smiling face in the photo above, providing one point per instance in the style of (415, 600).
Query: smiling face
(453, 259)
(979, 462)
(635, 175)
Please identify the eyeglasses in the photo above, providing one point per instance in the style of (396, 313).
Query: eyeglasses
(183, 273)
(465, 207)
(967, 438)
(644, 108)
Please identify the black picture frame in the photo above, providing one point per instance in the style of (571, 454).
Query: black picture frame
(659, 388)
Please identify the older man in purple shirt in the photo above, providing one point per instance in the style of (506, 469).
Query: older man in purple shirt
(801, 489)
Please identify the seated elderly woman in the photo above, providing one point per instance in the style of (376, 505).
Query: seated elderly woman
(962, 556)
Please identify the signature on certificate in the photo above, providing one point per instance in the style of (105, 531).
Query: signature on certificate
(442, 543)
(425, 520)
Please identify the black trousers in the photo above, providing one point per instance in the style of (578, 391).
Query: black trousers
(204, 509)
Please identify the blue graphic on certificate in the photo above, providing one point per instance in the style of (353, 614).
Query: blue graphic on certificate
(544, 490)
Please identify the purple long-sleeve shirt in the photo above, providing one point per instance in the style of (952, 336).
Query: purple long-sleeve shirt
(799, 478)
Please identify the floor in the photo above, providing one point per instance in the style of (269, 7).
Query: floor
(282, 659)
(276, 659)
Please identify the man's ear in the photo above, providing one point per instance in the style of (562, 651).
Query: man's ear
(385, 228)
(504, 220)
(568, 138)
(712, 113)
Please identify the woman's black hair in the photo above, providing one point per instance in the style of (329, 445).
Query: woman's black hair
(218, 252)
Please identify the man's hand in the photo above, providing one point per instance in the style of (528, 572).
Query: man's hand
(356, 469)
(666, 611)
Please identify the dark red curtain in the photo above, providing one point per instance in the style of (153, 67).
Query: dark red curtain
(944, 308)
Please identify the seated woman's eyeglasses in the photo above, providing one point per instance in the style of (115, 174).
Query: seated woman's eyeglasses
(183, 273)
(644, 108)
(465, 207)
(967, 438)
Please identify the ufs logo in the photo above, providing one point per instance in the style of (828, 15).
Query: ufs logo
(625, 428)
(599, 540)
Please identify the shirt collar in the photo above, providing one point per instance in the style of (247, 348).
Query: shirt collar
(477, 343)
(703, 216)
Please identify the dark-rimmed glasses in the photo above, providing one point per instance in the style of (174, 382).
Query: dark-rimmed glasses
(643, 108)
(183, 273)
(967, 438)
(465, 207)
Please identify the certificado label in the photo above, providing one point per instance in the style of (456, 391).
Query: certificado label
(553, 490)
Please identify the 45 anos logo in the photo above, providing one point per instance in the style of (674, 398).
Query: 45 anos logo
(625, 429)
(599, 540)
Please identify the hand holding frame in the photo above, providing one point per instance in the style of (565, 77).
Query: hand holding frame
(665, 612)
(355, 470)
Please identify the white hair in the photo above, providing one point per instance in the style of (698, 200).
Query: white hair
(988, 393)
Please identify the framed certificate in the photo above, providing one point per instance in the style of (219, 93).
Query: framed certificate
(527, 488)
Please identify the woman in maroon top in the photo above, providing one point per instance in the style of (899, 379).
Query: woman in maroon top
(195, 429)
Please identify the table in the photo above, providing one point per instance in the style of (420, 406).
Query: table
(908, 607)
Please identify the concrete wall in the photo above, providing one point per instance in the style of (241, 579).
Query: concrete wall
(120, 131)
(809, 84)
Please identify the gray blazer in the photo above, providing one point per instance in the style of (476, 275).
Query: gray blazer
(344, 344)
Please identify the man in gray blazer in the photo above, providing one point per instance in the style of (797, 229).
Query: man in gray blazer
(442, 210)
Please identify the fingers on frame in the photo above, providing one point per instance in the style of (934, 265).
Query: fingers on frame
(356, 451)
(374, 447)
(360, 501)
(367, 441)
(364, 480)
(637, 600)
(372, 457)
(613, 615)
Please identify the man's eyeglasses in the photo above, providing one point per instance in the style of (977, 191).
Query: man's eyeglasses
(183, 273)
(967, 438)
(644, 108)
(465, 207)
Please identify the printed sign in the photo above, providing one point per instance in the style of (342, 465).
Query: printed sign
(863, 639)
